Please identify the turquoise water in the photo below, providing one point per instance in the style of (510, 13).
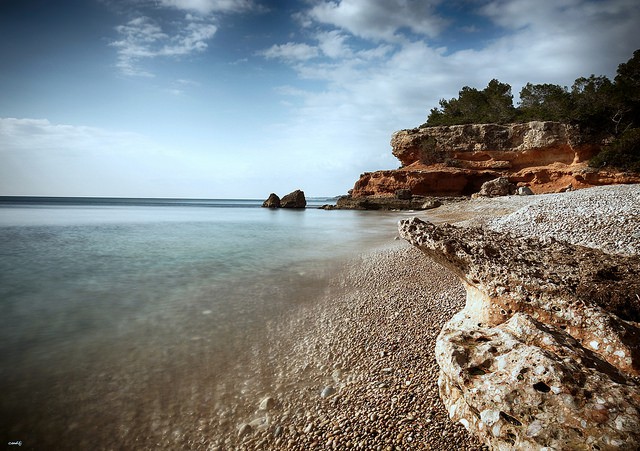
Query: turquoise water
(115, 312)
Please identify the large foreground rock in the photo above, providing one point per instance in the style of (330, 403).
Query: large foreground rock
(545, 353)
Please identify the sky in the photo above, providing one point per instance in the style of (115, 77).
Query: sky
(241, 98)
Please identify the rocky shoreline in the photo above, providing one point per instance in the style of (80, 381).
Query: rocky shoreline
(357, 368)
(545, 353)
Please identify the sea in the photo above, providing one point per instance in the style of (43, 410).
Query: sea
(119, 313)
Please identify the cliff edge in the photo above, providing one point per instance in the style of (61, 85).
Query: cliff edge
(456, 160)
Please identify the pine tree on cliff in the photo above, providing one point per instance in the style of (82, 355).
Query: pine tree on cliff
(602, 109)
(494, 104)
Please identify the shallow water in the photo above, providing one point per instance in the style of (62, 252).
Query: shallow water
(121, 321)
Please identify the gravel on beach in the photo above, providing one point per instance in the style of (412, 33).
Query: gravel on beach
(605, 218)
(356, 370)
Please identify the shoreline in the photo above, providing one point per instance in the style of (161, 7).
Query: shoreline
(355, 370)
(371, 338)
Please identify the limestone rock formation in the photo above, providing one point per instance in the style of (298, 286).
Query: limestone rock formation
(295, 199)
(273, 201)
(545, 353)
(458, 159)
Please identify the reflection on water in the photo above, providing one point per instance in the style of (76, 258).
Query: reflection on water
(120, 323)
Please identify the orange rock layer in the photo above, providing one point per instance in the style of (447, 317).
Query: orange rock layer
(457, 160)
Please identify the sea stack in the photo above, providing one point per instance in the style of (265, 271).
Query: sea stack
(295, 199)
(273, 201)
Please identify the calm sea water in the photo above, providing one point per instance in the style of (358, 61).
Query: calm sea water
(118, 314)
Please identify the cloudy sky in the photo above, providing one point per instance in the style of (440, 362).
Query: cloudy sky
(238, 98)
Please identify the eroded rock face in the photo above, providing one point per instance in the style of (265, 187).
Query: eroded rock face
(492, 146)
(458, 159)
(545, 353)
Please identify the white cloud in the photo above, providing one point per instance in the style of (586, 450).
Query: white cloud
(41, 135)
(43, 158)
(291, 52)
(209, 6)
(380, 19)
(146, 37)
(363, 100)
(143, 38)
(332, 44)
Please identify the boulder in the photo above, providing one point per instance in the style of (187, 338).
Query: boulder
(295, 199)
(545, 353)
(273, 201)
(496, 187)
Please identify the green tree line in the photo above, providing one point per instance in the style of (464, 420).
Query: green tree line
(601, 107)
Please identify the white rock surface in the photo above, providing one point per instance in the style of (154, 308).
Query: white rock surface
(592, 217)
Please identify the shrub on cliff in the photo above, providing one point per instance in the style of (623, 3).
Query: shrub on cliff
(623, 153)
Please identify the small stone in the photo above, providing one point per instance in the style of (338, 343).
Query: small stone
(524, 191)
(267, 403)
(327, 391)
(243, 430)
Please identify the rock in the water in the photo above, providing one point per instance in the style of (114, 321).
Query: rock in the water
(496, 187)
(524, 191)
(387, 203)
(546, 352)
(295, 199)
(273, 201)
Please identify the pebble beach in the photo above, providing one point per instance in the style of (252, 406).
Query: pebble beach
(356, 370)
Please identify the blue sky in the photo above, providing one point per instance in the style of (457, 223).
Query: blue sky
(239, 98)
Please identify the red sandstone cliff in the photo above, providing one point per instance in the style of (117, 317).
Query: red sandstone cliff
(458, 159)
